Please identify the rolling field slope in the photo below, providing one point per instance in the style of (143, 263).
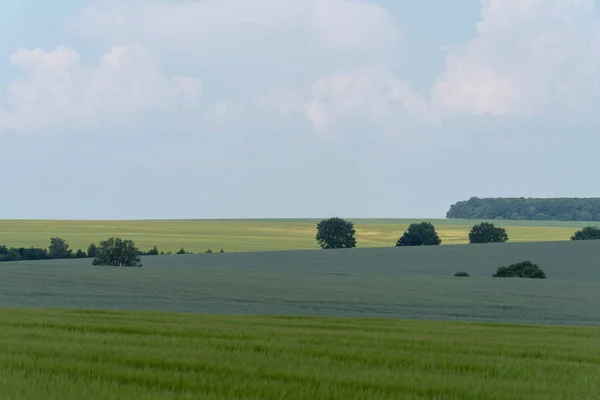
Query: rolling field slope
(73, 354)
(390, 282)
(254, 235)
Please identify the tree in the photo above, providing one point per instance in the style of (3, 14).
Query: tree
(80, 254)
(181, 251)
(92, 249)
(487, 233)
(525, 269)
(587, 233)
(420, 234)
(153, 251)
(336, 233)
(59, 248)
(118, 253)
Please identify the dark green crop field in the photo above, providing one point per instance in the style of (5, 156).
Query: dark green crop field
(389, 282)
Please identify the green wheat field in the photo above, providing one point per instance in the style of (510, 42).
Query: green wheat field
(255, 235)
(366, 323)
(71, 354)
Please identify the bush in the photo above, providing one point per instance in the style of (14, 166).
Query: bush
(181, 251)
(525, 269)
(222, 251)
(420, 234)
(587, 233)
(461, 274)
(487, 233)
(336, 233)
(209, 251)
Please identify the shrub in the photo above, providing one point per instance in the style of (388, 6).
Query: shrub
(222, 251)
(487, 233)
(181, 251)
(461, 274)
(525, 269)
(335, 233)
(587, 233)
(420, 234)
(209, 251)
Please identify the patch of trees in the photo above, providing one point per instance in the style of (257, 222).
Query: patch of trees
(117, 252)
(587, 233)
(60, 249)
(525, 269)
(556, 209)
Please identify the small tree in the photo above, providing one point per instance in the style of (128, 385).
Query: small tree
(59, 248)
(420, 234)
(80, 254)
(117, 252)
(209, 251)
(153, 251)
(222, 251)
(525, 269)
(587, 233)
(92, 249)
(336, 233)
(181, 251)
(487, 233)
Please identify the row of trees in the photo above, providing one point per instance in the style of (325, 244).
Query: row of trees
(337, 233)
(558, 209)
(59, 249)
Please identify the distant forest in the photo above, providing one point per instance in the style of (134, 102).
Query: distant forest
(558, 209)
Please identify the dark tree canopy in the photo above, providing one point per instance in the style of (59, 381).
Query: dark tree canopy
(420, 234)
(92, 249)
(59, 248)
(525, 269)
(487, 233)
(336, 233)
(587, 233)
(521, 208)
(80, 254)
(117, 252)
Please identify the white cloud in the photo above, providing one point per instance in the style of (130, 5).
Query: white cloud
(58, 88)
(529, 55)
(259, 26)
(370, 94)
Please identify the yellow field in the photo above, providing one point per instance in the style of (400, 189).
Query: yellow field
(253, 235)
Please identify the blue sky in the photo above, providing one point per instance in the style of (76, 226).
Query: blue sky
(294, 108)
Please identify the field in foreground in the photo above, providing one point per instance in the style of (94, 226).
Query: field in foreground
(255, 235)
(413, 282)
(68, 354)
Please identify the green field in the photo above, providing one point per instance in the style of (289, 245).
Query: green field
(254, 235)
(415, 282)
(72, 354)
(275, 330)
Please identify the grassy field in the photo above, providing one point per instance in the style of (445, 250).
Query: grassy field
(74, 354)
(254, 235)
(388, 282)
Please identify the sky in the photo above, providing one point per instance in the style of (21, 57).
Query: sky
(127, 109)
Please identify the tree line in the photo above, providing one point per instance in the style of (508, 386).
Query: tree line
(59, 249)
(557, 209)
(337, 233)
